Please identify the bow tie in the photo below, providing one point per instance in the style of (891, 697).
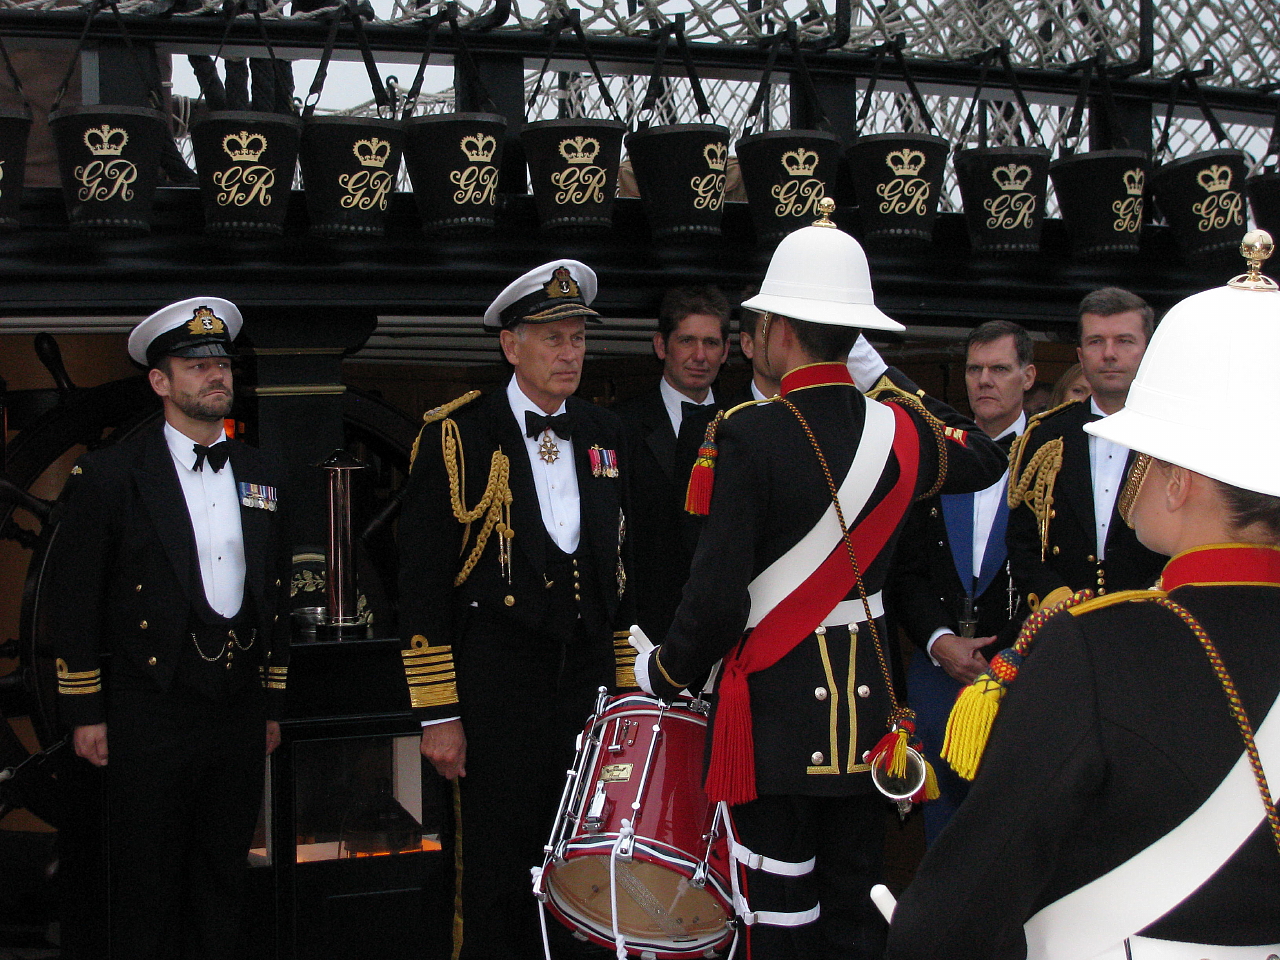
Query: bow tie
(535, 423)
(688, 409)
(216, 455)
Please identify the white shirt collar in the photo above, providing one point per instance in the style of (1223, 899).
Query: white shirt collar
(183, 448)
(520, 403)
(672, 398)
(1016, 427)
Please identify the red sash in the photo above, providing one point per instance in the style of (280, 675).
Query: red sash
(731, 775)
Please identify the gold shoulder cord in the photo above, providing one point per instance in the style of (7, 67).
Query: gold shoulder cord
(1034, 486)
(439, 413)
(886, 391)
(494, 504)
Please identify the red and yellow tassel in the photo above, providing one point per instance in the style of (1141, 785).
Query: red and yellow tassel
(697, 498)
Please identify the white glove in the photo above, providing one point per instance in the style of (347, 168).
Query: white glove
(865, 364)
(643, 647)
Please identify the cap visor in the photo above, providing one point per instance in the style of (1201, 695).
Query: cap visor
(865, 316)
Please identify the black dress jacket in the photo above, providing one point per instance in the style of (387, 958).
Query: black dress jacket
(126, 577)
(1114, 732)
(822, 705)
(435, 546)
(1068, 561)
(663, 533)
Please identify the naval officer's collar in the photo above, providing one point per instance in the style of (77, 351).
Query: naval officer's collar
(182, 448)
(520, 403)
(1223, 564)
(816, 375)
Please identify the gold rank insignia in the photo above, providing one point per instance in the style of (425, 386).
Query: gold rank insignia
(205, 320)
(561, 284)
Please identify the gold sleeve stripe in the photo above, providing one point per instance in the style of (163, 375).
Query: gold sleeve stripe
(657, 659)
(443, 672)
(432, 695)
(430, 674)
(626, 677)
(79, 687)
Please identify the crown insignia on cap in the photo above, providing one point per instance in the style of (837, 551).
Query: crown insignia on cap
(1012, 176)
(580, 149)
(105, 141)
(715, 154)
(800, 162)
(372, 153)
(244, 147)
(479, 147)
(905, 162)
(1134, 182)
(204, 320)
(561, 284)
(1215, 179)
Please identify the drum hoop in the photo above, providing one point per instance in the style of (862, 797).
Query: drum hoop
(661, 854)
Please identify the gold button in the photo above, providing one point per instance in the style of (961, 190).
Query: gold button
(138, 588)
(820, 630)
(151, 661)
(277, 583)
(509, 600)
(231, 634)
(933, 511)
(1055, 550)
(577, 596)
(549, 583)
(1091, 559)
(276, 618)
(1102, 591)
(820, 693)
(864, 691)
(1102, 581)
(142, 624)
(228, 663)
(1052, 514)
(816, 758)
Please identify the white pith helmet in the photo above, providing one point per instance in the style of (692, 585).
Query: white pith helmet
(820, 274)
(1207, 379)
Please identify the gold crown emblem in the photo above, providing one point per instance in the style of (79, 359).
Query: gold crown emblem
(205, 320)
(479, 147)
(715, 154)
(1135, 181)
(905, 162)
(1012, 176)
(105, 141)
(800, 162)
(1215, 179)
(580, 149)
(561, 284)
(372, 153)
(244, 147)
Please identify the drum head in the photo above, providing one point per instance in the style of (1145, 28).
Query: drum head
(658, 908)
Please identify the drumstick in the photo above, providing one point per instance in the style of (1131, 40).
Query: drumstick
(884, 901)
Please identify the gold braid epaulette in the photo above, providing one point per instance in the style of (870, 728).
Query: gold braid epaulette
(439, 413)
(1019, 447)
(1034, 487)
(494, 504)
(897, 395)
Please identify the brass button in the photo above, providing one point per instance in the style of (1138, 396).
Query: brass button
(228, 663)
(820, 693)
(816, 758)
(277, 583)
(933, 511)
(1102, 581)
(1102, 591)
(1052, 514)
(151, 661)
(509, 600)
(276, 618)
(820, 630)
(549, 583)
(231, 634)
(142, 624)
(864, 691)
(577, 596)
(138, 588)
(1091, 558)
(1056, 551)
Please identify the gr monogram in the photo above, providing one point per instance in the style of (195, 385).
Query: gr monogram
(242, 186)
(710, 191)
(476, 184)
(904, 196)
(1010, 211)
(580, 184)
(366, 189)
(1128, 215)
(798, 198)
(103, 180)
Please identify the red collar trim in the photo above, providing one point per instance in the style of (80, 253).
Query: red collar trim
(815, 375)
(1220, 564)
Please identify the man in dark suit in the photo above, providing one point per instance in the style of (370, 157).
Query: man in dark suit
(168, 622)
(950, 589)
(1064, 532)
(512, 584)
(664, 429)
(804, 485)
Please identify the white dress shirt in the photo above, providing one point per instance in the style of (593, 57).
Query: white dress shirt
(214, 507)
(756, 394)
(672, 398)
(985, 505)
(556, 483)
(1106, 468)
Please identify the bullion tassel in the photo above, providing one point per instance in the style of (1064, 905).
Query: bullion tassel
(930, 789)
(731, 774)
(971, 718)
(697, 498)
(890, 754)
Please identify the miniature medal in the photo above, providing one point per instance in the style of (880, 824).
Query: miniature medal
(548, 449)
